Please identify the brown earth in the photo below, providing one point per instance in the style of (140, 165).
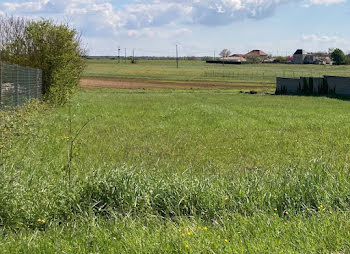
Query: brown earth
(151, 84)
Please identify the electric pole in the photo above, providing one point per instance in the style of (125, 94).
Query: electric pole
(118, 54)
(177, 57)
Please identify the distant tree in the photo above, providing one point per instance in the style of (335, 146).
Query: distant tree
(338, 56)
(225, 53)
(281, 59)
(254, 59)
(347, 59)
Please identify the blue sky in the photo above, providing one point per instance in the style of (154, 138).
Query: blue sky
(199, 27)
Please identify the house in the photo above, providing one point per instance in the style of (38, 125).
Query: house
(301, 57)
(256, 52)
(234, 58)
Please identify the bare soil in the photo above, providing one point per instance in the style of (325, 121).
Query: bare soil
(150, 84)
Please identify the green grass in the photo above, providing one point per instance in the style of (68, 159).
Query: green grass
(267, 173)
(202, 72)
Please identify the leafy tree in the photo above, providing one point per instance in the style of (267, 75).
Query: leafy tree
(347, 59)
(54, 48)
(338, 56)
(254, 59)
(225, 53)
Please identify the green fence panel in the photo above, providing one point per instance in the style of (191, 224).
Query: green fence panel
(18, 84)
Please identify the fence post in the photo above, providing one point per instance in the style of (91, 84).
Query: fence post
(16, 86)
(0, 84)
(37, 84)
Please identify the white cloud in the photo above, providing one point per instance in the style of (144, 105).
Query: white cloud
(326, 2)
(152, 13)
(323, 42)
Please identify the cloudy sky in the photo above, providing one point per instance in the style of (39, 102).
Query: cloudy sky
(199, 27)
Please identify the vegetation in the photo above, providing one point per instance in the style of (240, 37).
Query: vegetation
(174, 171)
(225, 53)
(281, 59)
(338, 56)
(54, 48)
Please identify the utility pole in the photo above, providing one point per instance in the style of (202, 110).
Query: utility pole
(118, 54)
(214, 55)
(177, 57)
(133, 55)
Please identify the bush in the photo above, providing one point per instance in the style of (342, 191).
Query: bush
(281, 59)
(54, 48)
(347, 59)
(338, 56)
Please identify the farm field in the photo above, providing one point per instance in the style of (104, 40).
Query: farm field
(199, 71)
(175, 171)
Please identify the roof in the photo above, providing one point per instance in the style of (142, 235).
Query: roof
(256, 52)
(239, 55)
(299, 52)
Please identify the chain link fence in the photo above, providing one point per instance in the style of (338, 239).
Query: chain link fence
(19, 84)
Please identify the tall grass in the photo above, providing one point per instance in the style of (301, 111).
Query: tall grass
(265, 173)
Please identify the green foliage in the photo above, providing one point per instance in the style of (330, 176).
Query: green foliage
(54, 48)
(281, 59)
(347, 60)
(338, 56)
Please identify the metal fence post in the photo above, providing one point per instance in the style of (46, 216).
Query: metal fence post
(29, 82)
(1, 84)
(16, 86)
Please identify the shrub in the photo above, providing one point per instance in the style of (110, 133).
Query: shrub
(54, 48)
(338, 56)
(347, 59)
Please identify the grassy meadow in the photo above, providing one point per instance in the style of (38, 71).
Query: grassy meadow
(171, 171)
(199, 71)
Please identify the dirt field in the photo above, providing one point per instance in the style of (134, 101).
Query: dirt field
(148, 84)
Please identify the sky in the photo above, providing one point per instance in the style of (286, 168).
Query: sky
(198, 27)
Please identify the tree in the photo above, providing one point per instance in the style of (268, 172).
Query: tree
(54, 48)
(338, 56)
(347, 60)
(225, 53)
(281, 59)
(254, 59)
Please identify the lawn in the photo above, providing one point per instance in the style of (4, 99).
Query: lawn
(203, 72)
(171, 171)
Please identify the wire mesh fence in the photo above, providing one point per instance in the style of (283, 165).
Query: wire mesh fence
(19, 84)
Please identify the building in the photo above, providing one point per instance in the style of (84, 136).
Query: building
(301, 57)
(256, 52)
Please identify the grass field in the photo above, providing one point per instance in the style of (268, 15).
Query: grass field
(172, 171)
(201, 72)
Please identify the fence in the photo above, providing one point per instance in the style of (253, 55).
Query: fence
(310, 85)
(19, 84)
(264, 76)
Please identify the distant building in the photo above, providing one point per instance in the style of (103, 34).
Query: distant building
(301, 57)
(234, 59)
(256, 52)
